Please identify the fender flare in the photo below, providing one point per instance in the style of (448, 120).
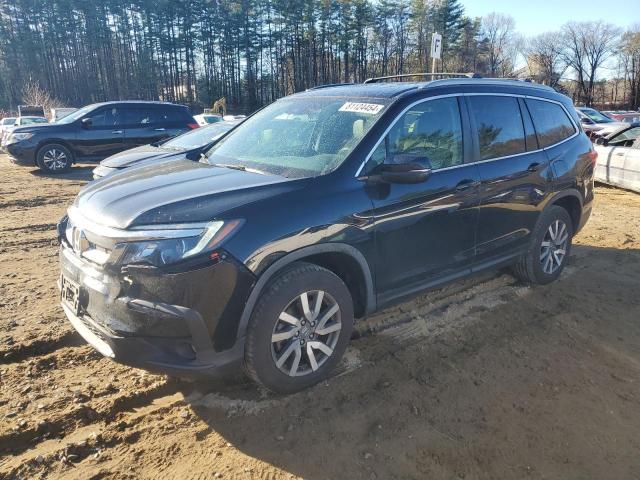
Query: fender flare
(570, 192)
(301, 253)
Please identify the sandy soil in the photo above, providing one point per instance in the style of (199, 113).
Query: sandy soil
(485, 379)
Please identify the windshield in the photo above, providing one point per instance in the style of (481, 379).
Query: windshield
(72, 117)
(595, 115)
(211, 118)
(299, 137)
(199, 137)
(30, 120)
(626, 135)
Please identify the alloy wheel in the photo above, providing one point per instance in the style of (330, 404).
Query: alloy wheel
(306, 333)
(554, 247)
(55, 159)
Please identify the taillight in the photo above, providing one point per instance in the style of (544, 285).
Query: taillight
(593, 156)
(192, 126)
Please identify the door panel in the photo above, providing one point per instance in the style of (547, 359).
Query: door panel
(103, 138)
(631, 174)
(513, 180)
(142, 126)
(424, 231)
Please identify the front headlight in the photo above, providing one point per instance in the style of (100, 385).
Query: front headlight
(18, 137)
(166, 251)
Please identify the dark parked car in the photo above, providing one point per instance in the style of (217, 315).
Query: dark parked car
(95, 132)
(189, 145)
(322, 208)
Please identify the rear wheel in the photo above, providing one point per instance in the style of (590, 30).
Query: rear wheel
(299, 330)
(54, 158)
(549, 249)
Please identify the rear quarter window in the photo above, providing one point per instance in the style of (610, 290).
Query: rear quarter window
(551, 122)
(175, 116)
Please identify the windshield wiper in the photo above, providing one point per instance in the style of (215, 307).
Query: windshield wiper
(242, 168)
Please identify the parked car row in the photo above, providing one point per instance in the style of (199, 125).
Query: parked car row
(626, 116)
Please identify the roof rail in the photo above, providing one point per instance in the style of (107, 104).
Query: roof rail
(424, 74)
(318, 87)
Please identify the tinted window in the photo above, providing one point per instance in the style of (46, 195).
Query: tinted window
(138, 117)
(499, 124)
(105, 117)
(551, 122)
(174, 114)
(429, 133)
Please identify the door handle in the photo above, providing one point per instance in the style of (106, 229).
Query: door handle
(466, 183)
(620, 154)
(159, 129)
(116, 131)
(534, 167)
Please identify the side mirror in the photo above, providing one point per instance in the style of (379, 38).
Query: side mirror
(602, 141)
(86, 122)
(404, 173)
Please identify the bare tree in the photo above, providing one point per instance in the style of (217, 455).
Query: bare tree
(629, 64)
(500, 39)
(32, 94)
(545, 58)
(588, 46)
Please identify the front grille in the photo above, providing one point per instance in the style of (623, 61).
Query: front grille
(87, 245)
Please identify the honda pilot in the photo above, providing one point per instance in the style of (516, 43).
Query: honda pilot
(317, 211)
(96, 132)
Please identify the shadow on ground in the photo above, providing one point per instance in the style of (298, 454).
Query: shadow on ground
(541, 383)
(80, 172)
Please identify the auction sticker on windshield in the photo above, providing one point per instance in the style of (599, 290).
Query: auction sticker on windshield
(371, 108)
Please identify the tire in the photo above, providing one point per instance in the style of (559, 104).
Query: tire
(54, 158)
(283, 298)
(543, 264)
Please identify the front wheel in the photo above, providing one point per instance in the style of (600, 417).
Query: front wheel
(549, 249)
(54, 158)
(299, 329)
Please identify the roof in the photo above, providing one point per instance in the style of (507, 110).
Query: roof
(395, 89)
(136, 102)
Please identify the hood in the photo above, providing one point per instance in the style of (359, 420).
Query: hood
(180, 191)
(45, 128)
(137, 155)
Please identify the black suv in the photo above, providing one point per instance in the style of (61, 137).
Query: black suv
(95, 132)
(323, 207)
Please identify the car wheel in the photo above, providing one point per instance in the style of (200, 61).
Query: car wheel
(549, 249)
(299, 329)
(54, 158)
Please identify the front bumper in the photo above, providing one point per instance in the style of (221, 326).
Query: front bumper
(182, 323)
(22, 153)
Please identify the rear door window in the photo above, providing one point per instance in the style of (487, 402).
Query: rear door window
(499, 124)
(551, 122)
(138, 117)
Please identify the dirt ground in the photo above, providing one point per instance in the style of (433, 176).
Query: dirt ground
(485, 379)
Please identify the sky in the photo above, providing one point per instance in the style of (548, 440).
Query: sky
(536, 16)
